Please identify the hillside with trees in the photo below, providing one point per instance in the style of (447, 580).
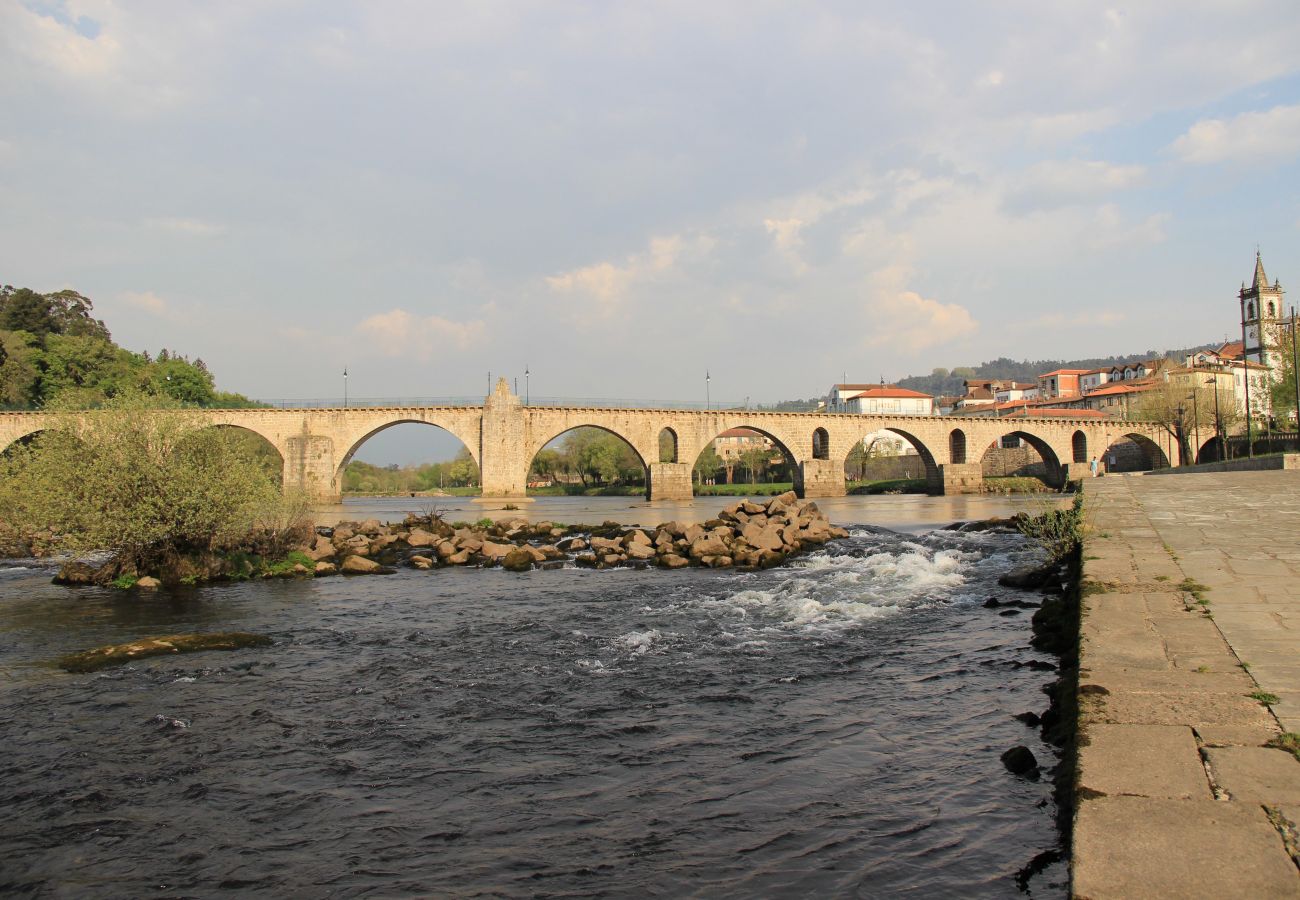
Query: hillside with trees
(52, 347)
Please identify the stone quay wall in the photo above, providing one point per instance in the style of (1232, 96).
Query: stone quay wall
(1189, 681)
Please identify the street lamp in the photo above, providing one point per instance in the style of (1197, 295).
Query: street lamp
(527, 391)
(345, 387)
(708, 400)
(1218, 422)
(1196, 428)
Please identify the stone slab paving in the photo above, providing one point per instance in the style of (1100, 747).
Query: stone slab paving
(1191, 604)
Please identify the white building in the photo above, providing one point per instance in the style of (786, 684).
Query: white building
(887, 400)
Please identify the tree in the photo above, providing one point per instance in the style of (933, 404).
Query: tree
(755, 461)
(707, 464)
(149, 484)
(1282, 386)
(20, 373)
(63, 312)
(1182, 411)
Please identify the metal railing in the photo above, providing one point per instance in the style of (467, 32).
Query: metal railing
(407, 402)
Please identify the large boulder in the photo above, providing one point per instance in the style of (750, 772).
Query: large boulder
(781, 501)
(708, 545)
(517, 560)
(599, 543)
(762, 537)
(640, 551)
(421, 538)
(321, 550)
(359, 565)
(370, 527)
(495, 551)
(420, 562)
(673, 561)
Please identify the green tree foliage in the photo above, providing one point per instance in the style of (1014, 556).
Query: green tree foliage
(1282, 387)
(149, 484)
(52, 349)
(63, 312)
(365, 478)
(707, 464)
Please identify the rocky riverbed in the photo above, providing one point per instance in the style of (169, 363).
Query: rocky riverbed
(745, 534)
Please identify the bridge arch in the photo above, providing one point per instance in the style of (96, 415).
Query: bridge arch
(356, 443)
(778, 445)
(1211, 451)
(638, 456)
(255, 443)
(1079, 446)
(957, 446)
(821, 444)
(1053, 473)
(927, 457)
(668, 445)
(1134, 452)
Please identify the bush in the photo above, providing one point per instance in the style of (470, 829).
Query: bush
(149, 484)
(1058, 531)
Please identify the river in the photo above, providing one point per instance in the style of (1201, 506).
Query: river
(829, 728)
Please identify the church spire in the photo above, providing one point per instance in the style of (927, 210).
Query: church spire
(1261, 280)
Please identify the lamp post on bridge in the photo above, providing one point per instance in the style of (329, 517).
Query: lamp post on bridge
(345, 387)
(527, 391)
(708, 399)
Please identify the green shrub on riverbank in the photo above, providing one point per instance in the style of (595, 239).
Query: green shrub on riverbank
(1058, 531)
(152, 486)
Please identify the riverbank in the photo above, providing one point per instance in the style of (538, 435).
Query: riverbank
(1189, 685)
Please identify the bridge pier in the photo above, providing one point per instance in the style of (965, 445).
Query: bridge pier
(820, 478)
(309, 467)
(503, 469)
(670, 481)
(957, 478)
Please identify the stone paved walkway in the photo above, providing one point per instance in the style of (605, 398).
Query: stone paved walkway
(1191, 605)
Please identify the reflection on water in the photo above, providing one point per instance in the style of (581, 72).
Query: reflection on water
(898, 512)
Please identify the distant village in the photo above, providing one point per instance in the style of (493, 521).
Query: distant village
(1213, 383)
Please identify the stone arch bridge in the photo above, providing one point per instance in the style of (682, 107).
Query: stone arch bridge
(503, 435)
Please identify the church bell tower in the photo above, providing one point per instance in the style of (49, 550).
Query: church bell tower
(1261, 316)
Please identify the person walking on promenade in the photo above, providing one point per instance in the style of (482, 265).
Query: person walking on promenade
(1094, 467)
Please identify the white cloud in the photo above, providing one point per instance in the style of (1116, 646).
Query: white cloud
(195, 227)
(1062, 182)
(147, 301)
(785, 234)
(1249, 137)
(399, 333)
(612, 282)
(898, 317)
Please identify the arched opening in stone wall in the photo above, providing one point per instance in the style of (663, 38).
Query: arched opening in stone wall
(744, 455)
(410, 459)
(1211, 451)
(957, 446)
(27, 442)
(888, 460)
(1079, 446)
(588, 459)
(1018, 454)
(668, 446)
(250, 445)
(1134, 453)
(821, 444)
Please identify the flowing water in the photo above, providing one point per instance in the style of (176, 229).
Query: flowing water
(830, 728)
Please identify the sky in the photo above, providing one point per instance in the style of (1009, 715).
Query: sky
(621, 197)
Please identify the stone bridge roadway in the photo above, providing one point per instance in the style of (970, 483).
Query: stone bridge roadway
(503, 436)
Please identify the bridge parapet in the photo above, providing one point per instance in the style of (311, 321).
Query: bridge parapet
(503, 435)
